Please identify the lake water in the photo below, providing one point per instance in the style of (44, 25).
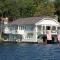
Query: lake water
(29, 52)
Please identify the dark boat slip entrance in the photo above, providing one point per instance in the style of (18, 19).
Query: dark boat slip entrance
(54, 39)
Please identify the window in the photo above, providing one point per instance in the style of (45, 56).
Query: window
(39, 28)
(29, 35)
(53, 28)
(43, 27)
(29, 28)
(47, 27)
(21, 27)
(13, 27)
(58, 28)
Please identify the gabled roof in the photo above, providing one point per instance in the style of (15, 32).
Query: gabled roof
(29, 20)
(48, 22)
(25, 21)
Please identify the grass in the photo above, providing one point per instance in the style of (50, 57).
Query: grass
(1, 39)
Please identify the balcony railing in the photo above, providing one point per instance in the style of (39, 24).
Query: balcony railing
(14, 31)
(29, 30)
(53, 32)
(44, 32)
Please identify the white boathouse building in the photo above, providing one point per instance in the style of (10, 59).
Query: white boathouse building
(30, 29)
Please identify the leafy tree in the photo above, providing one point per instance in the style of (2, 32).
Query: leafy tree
(26, 8)
(1, 8)
(12, 10)
(44, 8)
(57, 6)
(9, 8)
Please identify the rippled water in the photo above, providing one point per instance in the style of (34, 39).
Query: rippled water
(29, 52)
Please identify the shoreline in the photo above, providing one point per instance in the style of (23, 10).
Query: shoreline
(14, 42)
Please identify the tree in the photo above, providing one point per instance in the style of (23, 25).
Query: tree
(1, 8)
(26, 7)
(12, 10)
(44, 8)
(57, 6)
(9, 8)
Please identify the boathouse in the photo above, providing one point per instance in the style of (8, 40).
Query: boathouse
(30, 29)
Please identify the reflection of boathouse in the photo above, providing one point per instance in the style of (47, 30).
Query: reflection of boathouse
(30, 29)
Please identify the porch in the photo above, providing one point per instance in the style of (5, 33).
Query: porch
(41, 29)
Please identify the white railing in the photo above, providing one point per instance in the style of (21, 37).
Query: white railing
(53, 32)
(6, 31)
(44, 32)
(14, 31)
(29, 31)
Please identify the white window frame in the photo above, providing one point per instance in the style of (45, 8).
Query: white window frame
(29, 36)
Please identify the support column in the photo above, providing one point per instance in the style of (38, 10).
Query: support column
(45, 29)
(18, 27)
(18, 30)
(51, 29)
(56, 29)
(24, 32)
(42, 29)
(36, 32)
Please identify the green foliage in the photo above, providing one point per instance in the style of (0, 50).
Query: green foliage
(57, 4)
(1, 39)
(45, 8)
(26, 8)
(57, 7)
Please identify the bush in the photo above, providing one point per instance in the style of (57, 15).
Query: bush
(1, 40)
